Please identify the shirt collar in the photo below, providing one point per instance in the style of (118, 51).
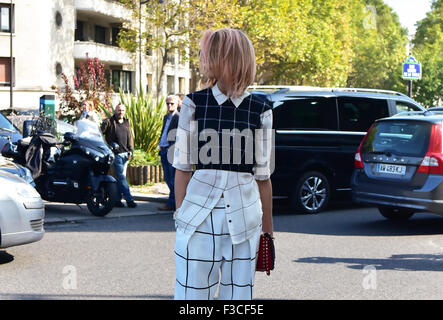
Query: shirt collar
(221, 97)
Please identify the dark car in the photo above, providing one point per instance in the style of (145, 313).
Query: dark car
(399, 165)
(316, 134)
(8, 131)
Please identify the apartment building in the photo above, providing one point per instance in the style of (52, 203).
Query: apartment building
(50, 37)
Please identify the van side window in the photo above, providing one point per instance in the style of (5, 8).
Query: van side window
(306, 113)
(403, 106)
(358, 114)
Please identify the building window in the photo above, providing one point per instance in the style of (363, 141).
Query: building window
(122, 79)
(149, 83)
(148, 48)
(5, 18)
(115, 32)
(58, 69)
(58, 19)
(181, 60)
(79, 31)
(181, 85)
(100, 34)
(170, 85)
(170, 58)
(5, 71)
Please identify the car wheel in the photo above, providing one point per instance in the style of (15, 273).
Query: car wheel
(312, 193)
(395, 213)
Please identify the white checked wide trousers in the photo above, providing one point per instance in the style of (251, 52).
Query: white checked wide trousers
(209, 261)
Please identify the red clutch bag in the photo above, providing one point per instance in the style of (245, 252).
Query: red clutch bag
(266, 254)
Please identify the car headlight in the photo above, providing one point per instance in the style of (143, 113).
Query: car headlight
(28, 177)
(26, 191)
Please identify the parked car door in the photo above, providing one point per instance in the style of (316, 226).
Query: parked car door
(356, 115)
(305, 134)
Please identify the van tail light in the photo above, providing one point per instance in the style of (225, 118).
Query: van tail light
(432, 163)
(358, 161)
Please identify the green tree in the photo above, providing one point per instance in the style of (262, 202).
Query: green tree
(358, 43)
(379, 44)
(428, 49)
(208, 15)
(165, 26)
(303, 42)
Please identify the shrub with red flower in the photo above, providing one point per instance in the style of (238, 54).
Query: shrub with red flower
(89, 83)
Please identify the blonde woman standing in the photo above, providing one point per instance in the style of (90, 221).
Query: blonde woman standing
(226, 203)
(89, 112)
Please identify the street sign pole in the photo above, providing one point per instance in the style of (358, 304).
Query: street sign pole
(411, 70)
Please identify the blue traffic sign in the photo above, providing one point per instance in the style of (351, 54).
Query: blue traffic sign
(411, 69)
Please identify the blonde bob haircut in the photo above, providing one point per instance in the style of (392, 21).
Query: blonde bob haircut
(227, 57)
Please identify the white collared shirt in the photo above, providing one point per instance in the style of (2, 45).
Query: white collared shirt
(240, 190)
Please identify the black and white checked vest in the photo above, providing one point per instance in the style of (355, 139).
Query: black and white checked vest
(213, 118)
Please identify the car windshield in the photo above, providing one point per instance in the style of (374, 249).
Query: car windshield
(89, 130)
(6, 124)
(406, 138)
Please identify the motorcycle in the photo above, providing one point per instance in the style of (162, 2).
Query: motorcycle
(73, 171)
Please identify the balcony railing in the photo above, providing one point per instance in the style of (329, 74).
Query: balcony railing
(113, 11)
(105, 53)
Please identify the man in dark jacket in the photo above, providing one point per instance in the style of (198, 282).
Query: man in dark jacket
(167, 140)
(117, 129)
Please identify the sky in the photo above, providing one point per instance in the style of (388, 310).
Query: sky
(410, 11)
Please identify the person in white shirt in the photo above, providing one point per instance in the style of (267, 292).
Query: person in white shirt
(223, 165)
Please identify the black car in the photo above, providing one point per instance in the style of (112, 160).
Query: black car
(316, 134)
(399, 165)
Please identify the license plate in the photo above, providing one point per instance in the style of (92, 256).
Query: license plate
(391, 168)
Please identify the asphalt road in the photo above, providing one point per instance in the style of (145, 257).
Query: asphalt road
(348, 252)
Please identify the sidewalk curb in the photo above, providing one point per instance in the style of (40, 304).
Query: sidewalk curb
(75, 219)
(149, 197)
(72, 217)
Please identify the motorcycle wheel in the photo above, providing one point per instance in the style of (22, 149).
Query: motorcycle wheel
(101, 202)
